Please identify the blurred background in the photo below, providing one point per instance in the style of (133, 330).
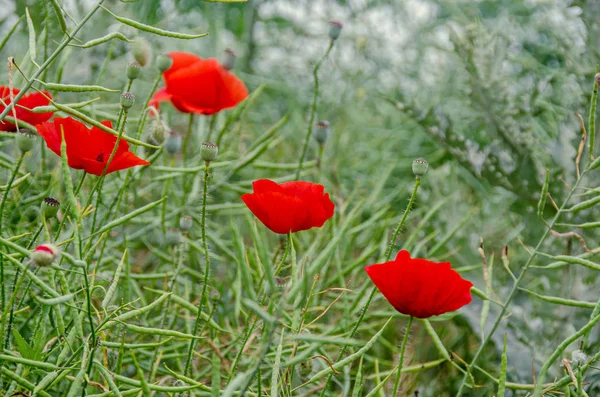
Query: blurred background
(487, 91)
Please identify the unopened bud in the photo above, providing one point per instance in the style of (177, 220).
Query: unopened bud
(228, 61)
(321, 132)
(215, 295)
(127, 100)
(305, 369)
(50, 207)
(597, 78)
(335, 28)
(164, 62)
(173, 143)
(173, 236)
(133, 70)
(158, 131)
(419, 167)
(208, 151)
(141, 51)
(578, 358)
(25, 140)
(44, 255)
(186, 222)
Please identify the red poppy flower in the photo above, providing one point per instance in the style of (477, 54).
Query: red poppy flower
(196, 85)
(420, 288)
(290, 206)
(88, 149)
(28, 101)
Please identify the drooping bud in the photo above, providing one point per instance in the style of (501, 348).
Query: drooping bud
(228, 61)
(419, 167)
(335, 28)
(173, 236)
(208, 151)
(186, 222)
(158, 131)
(25, 140)
(127, 100)
(50, 207)
(597, 78)
(321, 132)
(141, 51)
(133, 70)
(305, 369)
(44, 255)
(164, 62)
(173, 143)
(578, 358)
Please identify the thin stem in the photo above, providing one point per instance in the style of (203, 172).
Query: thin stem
(206, 269)
(402, 350)
(313, 109)
(187, 138)
(388, 255)
(64, 219)
(142, 122)
(211, 127)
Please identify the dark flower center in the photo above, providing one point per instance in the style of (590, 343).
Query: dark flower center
(100, 158)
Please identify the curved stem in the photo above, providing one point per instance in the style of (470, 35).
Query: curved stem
(402, 350)
(313, 109)
(206, 270)
(388, 253)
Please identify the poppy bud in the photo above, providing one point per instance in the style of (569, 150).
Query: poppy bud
(335, 28)
(578, 358)
(50, 207)
(305, 369)
(133, 70)
(164, 62)
(597, 78)
(228, 61)
(215, 295)
(173, 143)
(25, 140)
(419, 167)
(158, 131)
(141, 51)
(127, 100)
(208, 151)
(186, 222)
(44, 255)
(321, 132)
(173, 236)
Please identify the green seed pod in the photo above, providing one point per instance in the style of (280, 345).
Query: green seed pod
(228, 61)
(25, 140)
(173, 237)
(127, 100)
(50, 207)
(419, 167)
(80, 263)
(158, 131)
(173, 143)
(164, 62)
(335, 28)
(142, 52)
(44, 254)
(208, 151)
(321, 132)
(186, 222)
(133, 70)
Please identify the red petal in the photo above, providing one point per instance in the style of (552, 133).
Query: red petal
(159, 96)
(181, 60)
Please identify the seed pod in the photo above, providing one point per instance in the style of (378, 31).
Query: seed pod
(208, 151)
(228, 61)
(50, 207)
(25, 140)
(164, 62)
(133, 70)
(141, 51)
(321, 132)
(173, 143)
(44, 254)
(186, 222)
(127, 100)
(419, 167)
(335, 28)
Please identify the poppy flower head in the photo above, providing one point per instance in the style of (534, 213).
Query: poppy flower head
(290, 206)
(197, 85)
(28, 101)
(420, 288)
(88, 149)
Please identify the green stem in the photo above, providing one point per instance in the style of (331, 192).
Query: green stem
(64, 219)
(211, 127)
(206, 270)
(187, 138)
(142, 122)
(402, 350)
(388, 255)
(313, 109)
(50, 59)
(592, 120)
